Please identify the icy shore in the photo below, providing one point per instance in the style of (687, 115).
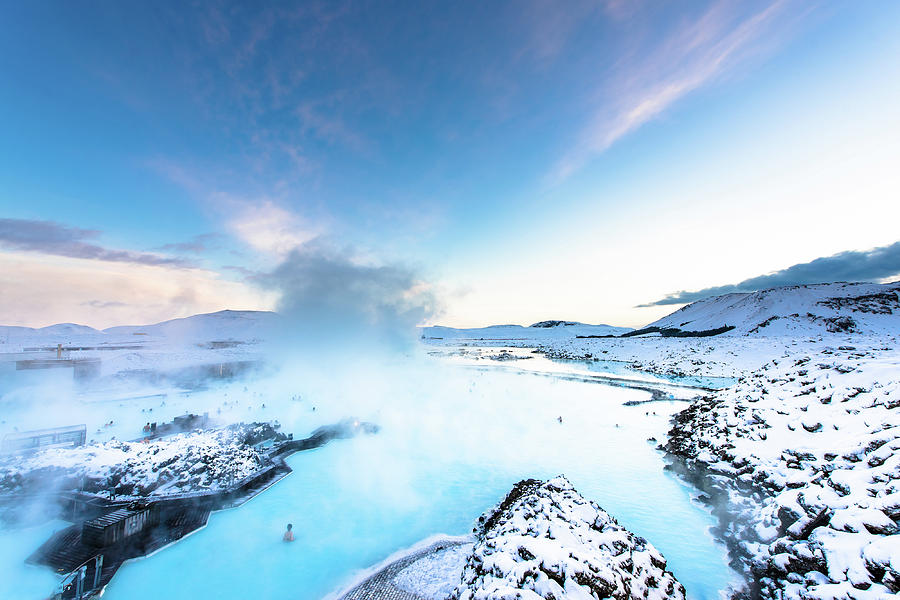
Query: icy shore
(544, 540)
(800, 460)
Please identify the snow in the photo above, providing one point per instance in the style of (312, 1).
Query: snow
(227, 325)
(188, 462)
(803, 453)
(795, 310)
(799, 458)
(767, 325)
(436, 575)
(242, 325)
(546, 541)
(139, 351)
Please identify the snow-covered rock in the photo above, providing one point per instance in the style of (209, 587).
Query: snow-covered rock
(801, 459)
(546, 541)
(189, 462)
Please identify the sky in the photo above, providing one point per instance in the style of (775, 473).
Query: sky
(509, 162)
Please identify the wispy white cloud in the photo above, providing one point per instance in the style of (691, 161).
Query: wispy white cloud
(689, 57)
(259, 217)
(270, 228)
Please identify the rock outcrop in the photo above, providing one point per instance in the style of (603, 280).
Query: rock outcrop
(544, 540)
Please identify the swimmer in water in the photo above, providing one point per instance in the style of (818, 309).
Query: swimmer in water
(289, 534)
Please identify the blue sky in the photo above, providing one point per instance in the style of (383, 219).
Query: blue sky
(526, 160)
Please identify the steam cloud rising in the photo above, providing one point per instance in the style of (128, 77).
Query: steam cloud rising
(328, 296)
(868, 265)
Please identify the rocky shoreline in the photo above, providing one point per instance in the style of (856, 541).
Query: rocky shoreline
(800, 463)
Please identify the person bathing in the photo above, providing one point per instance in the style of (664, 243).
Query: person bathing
(289, 534)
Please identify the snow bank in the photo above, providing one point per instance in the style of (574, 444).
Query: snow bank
(801, 458)
(546, 541)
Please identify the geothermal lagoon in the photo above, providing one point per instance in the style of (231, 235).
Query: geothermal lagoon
(456, 434)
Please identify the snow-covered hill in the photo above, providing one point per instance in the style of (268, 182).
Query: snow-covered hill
(225, 325)
(243, 325)
(867, 308)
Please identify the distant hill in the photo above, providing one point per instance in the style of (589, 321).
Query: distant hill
(541, 330)
(225, 325)
(222, 325)
(868, 308)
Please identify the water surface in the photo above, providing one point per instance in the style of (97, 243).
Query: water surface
(452, 444)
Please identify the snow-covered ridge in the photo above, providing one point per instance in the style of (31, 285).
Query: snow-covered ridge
(803, 458)
(867, 308)
(546, 541)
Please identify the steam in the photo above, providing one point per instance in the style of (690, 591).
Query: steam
(331, 298)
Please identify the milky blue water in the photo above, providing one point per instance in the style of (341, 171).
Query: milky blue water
(442, 457)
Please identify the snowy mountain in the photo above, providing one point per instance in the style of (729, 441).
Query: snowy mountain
(868, 308)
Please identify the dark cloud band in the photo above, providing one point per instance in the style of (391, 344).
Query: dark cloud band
(868, 265)
(48, 237)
